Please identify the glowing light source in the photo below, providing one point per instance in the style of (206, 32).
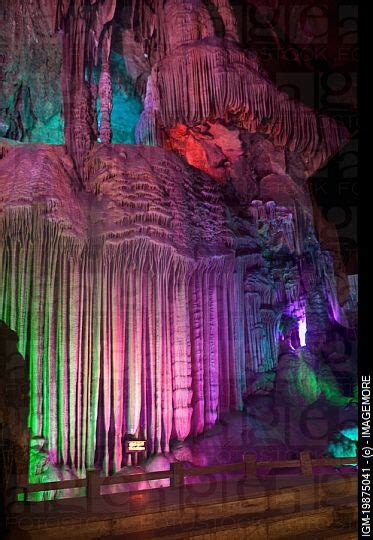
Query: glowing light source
(135, 446)
(351, 433)
(302, 329)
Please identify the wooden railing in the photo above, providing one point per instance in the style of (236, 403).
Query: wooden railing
(177, 473)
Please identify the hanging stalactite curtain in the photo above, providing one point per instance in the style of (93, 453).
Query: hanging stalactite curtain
(128, 339)
(134, 310)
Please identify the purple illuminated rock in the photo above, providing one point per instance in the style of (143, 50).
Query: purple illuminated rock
(148, 283)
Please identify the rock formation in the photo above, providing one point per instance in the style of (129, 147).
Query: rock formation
(14, 435)
(148, 282)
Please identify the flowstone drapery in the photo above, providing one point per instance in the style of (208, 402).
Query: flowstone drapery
(141, 303)
(147, 282)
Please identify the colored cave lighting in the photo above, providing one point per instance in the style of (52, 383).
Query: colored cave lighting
(302, 330)
(145, 293)
(351, 433)
(343, 448)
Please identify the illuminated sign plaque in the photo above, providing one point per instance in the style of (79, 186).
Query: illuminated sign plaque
(135, 446)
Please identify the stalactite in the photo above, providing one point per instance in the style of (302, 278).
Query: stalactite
(228, 18)
(136, 319)
(211, 365)
(237, 322)
(82, 27)
(181, 355)
(149, 361)
(255, 330)
(210, 82)
(271, 322)
(119, 325)
(330, 289)
(196, 310)
(104, 88)
(224, 353)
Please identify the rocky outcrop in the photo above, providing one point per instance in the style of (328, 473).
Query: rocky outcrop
(14, 400)
(234, 89)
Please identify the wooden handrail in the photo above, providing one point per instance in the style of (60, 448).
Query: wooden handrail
(214, 469)
(333, 461)
(177, 473)
(50, 486)
(138, 477)
(286, 463)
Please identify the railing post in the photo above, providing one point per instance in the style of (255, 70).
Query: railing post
(249, 464)
(22, 480)
(305, 463)
(177, 478)
(26, 502)
(93, 484)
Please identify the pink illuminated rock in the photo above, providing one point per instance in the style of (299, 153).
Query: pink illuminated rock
(147, 283)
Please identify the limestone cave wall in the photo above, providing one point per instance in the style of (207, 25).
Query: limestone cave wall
(147, 281)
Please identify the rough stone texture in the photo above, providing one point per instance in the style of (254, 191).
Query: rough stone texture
(31, 100)
(148, 285)
(169, 278)
(14, 393)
